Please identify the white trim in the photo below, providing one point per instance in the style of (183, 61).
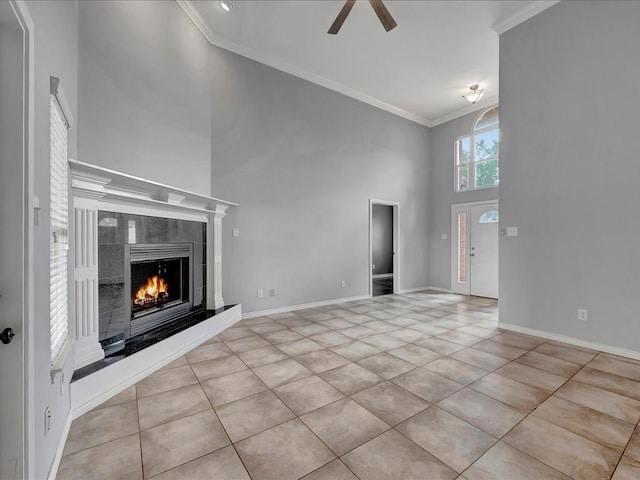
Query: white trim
(523, 15)
(439, 289)
(26, 23)
(396, 243)
(53, 472)
(286, 67)
(414, 289)
(486, 102)
(454, 240)
(92, 181)
(292, 308)
(472, 157)
(622, 352)
(500, 27)
(92, 390)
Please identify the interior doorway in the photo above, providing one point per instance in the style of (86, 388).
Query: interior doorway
(383, 247)
(474, 247)
(16, 129)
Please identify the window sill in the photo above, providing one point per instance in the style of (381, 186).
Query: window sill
(476, 189)
(57, 366)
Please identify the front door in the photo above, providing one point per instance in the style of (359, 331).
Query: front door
(12, 246)
(483, 253)
(474, 248)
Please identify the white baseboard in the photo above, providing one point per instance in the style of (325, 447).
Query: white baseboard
(92, 390)
(413, 290)
(291, 308)
(53, 472)
(422, 289)
(621, 352)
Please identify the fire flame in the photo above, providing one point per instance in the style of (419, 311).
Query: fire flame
(155, 289)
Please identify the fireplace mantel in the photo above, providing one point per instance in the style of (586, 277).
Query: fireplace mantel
(109, 186)
(97, 188)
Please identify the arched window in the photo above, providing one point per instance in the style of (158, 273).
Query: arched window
(477, 154)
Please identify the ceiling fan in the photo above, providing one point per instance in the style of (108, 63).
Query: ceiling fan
(381, 11)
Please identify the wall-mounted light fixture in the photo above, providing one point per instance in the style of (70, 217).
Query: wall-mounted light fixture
(226, 5)
(475, 93)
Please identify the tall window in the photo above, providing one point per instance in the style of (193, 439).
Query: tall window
(59, 222)
(477, 154)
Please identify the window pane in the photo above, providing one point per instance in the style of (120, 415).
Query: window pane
(463, 177)
(489, 217)
(464, 150)
(490, 117)
(487, 173)
(462, 247)
(487, 145)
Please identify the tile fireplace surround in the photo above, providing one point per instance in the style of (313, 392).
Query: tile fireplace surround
(140, 212)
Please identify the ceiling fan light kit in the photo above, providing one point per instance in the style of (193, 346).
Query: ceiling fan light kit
(381, 11)
(474, 95)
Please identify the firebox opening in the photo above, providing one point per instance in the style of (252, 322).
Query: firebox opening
(158, 284)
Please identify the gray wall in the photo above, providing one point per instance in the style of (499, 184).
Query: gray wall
(302, 162)
(144, 92)
(56, 54)
(569, 172)
(442, 195)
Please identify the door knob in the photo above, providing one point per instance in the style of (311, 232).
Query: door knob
(473, 255)
(7, 335)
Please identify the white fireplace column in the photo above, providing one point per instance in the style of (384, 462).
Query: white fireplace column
(214, 257)
(85, 283)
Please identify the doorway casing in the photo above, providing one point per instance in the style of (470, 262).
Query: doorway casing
(396, 234)
(464, 288)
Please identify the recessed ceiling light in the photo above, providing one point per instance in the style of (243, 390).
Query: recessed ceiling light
(226, 5)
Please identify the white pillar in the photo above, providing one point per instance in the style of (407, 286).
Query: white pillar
(214, 258)
(85, 291)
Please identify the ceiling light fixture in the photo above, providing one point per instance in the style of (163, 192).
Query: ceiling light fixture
(475, 94)
(226, 5)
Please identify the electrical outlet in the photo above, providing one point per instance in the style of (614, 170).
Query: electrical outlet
(512, 231)
(260, 293)
(443, 236)
(47, 420)
(272, 292)
(343, 283)
(582, 314)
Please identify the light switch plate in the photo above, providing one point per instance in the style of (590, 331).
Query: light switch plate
(512, 231)
(443, 236)
(235, 232)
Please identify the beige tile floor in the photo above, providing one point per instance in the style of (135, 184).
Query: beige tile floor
(420, 386)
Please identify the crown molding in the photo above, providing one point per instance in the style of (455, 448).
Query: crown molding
(501, 26)
(483, 103)
(278, 64)
(523, 15)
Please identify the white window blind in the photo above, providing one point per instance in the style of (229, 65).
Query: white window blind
(59, 227)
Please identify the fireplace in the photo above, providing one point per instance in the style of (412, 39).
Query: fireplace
(159, 281)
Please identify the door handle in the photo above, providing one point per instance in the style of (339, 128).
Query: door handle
(7, 335)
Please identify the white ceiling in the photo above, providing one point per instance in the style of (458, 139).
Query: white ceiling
(419, 70)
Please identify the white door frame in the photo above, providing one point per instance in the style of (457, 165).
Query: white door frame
(396, 243)
(26, 22)
(454, 243)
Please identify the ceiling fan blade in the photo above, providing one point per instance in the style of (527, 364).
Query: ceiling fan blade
(383, 15)
(342, 16)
